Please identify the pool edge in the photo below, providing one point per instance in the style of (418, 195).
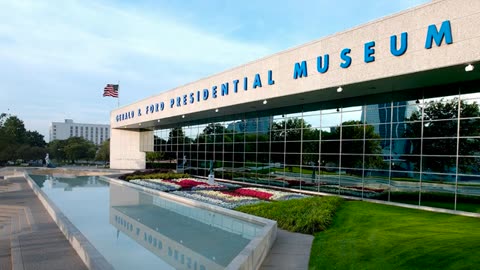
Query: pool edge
(90, 256)
(252, 256)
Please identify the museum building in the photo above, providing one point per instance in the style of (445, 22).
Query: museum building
(388, 110)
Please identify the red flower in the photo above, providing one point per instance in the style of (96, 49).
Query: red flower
(186, 184)
(254, 193)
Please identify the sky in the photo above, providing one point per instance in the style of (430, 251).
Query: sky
(57, 56)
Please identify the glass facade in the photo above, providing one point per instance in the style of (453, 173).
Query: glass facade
(419, 147)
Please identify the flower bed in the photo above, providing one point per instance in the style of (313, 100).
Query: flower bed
(209, 187)
(217, 194)
(183, 183)
(197, 184)
(269, 194)
(156, 184)
(217, 198)
(254, 193)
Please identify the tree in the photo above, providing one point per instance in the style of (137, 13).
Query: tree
(77, 148)
(12, 136)
(14, 130)
(18, 143)
(56, 149)
(103, 154)
(33, 138)
(27, 152)
(3, 139)
(9, 152)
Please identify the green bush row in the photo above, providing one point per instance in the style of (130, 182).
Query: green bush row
(308, 215)
(158, 165)
(157, 176)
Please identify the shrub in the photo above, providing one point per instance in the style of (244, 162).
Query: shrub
(169, 175)
(308, 215)
(157, 165)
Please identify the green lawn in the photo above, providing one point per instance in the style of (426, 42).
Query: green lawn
(373, 236)
(436, 199)
(362, 235)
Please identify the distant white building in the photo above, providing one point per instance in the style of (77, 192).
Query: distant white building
(95, 133)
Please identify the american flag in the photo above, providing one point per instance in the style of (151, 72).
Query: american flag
(111, 90)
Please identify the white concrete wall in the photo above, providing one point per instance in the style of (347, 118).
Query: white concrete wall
(125, 150)
(464, 16)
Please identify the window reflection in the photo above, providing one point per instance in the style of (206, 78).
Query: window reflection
(393, 150)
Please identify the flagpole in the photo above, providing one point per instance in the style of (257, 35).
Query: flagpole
(118, 99)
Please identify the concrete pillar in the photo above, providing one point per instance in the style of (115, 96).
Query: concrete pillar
(128, 147)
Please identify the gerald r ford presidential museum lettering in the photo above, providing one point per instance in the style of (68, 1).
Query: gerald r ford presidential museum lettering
(300, 70)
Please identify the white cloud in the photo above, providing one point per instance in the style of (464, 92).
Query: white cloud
(59, 56)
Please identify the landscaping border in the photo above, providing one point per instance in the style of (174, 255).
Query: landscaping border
(404, 205)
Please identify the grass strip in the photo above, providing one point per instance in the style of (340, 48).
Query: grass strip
(308, 215)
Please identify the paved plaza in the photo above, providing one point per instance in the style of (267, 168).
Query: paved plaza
(29, 238)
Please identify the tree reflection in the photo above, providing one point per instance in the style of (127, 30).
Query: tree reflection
(440, 118)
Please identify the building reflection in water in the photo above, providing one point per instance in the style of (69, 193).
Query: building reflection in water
(183, 236)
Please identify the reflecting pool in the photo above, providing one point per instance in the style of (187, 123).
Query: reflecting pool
(136, 230)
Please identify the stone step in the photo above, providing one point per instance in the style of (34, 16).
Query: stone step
(17, 217)
(5, 255)
(23, 222)
(7, 187)
(5, 230)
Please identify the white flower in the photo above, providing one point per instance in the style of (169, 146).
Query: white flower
(279, 195)
(217, 198)
(154, 185)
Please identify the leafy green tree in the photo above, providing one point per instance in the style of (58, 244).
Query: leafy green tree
(12, 137)
(77, 148)
(3, 139)
(103, 153)
(18, 143)
(9, 152)
(33, 138)
(27, 152)
(56, 150)
(14, 130)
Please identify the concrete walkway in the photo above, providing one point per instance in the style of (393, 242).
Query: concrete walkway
(291, 251)
(29, 238)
